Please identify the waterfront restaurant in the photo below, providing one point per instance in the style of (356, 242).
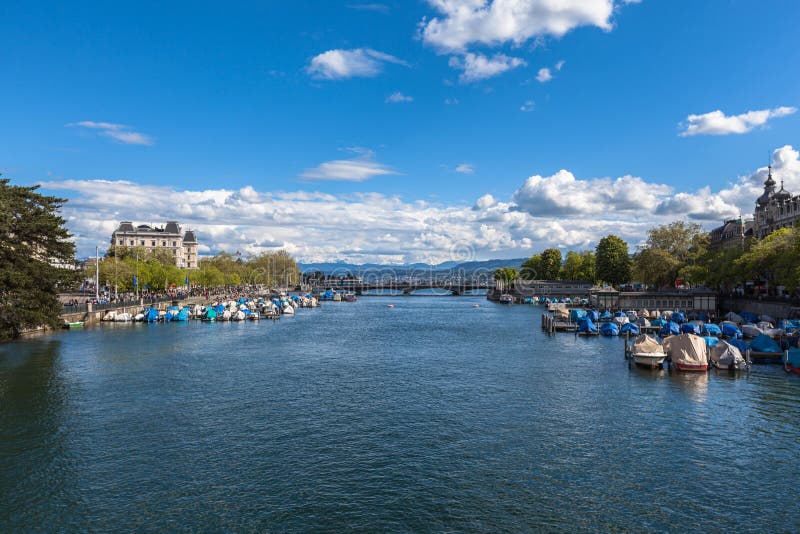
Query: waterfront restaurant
(700, 299)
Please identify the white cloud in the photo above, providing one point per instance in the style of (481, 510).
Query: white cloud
(118, 132)
(717, 123)
(560, 65)
(493, 23)
(562, 194)
(451, 101)
(479, 67)
(559, 210)
(340, 64)
(397, 97)
(544, 75)
(358, 169)
(527, 106)
(465, 168)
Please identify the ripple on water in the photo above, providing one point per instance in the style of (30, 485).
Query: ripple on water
(432, 415)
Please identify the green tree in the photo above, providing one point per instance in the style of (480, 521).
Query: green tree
(613, 264)
(587, 270)
(677, 238)
(773, 259)
(572, 266)
(531, 268)
(551, 264)
(35, 256)
(507, 275)
(654, 266)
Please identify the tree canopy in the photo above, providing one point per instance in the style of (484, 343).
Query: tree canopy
(36, 256)
(613, 264)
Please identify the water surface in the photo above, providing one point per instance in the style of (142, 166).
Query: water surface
(431, 416)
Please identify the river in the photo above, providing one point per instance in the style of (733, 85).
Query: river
(429, 416)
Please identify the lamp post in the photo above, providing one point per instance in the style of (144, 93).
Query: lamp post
(97, 274)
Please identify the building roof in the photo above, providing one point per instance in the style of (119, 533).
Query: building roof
(126, 226)
(783, 194)
(172, 227)
(189, 237)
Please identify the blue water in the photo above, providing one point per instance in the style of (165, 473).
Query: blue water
(431, 416)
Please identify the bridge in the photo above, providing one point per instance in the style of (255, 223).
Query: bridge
(455, 287)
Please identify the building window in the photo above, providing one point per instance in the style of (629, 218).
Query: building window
(174, 243)
(142, 242)
(163, 243)
(131, 242)
(121, 241)
(153, 243)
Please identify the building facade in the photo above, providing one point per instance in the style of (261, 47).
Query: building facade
(733, 233)
(182, 245)
(774, 210)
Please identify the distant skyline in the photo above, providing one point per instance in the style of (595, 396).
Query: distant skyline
(400, 132)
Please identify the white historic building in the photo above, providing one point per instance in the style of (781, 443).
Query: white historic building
(183, 246)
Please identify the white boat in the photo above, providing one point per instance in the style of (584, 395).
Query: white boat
(723, 355)
(123, 318)
(506, 299)
(237, 316)
(111, 315)
(288, 310)
(647, 351)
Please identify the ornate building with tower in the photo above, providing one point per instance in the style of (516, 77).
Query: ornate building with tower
(774, 210)
(182, 245)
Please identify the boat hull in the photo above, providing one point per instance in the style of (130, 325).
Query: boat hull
(688, 367)
(650, 360)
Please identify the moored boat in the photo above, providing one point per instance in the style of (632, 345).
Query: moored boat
(646, 351)
(687, 352)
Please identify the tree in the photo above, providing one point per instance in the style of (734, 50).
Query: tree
(551, 264)
(531, 268)
(613, 264)
(35, 256)
(587, 270)
(774, 259)
(676, 238)
(654, 266)
(572, 266)
(506, 275)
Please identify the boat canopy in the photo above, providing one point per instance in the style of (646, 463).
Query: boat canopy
(678, 317)
(630, 328)
(747, 316)
(576, 314)
(670, 329)
(751, 330)
(593, 315)
(609, 329)
(734, 317)
(731, 330)
(710, 340)
(690, 328)
(586, 325)
(764, 343)
(606, 316)
(727, 354)
(641, 321)
(658, 322)
(645, 344)
(711, 329)
(686, 349)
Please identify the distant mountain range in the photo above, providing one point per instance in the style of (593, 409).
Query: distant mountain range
(448, 266)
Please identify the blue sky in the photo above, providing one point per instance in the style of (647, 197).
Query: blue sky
(272, 124)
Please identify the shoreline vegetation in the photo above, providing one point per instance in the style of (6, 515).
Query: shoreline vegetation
(38, 263)
(676, 255)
